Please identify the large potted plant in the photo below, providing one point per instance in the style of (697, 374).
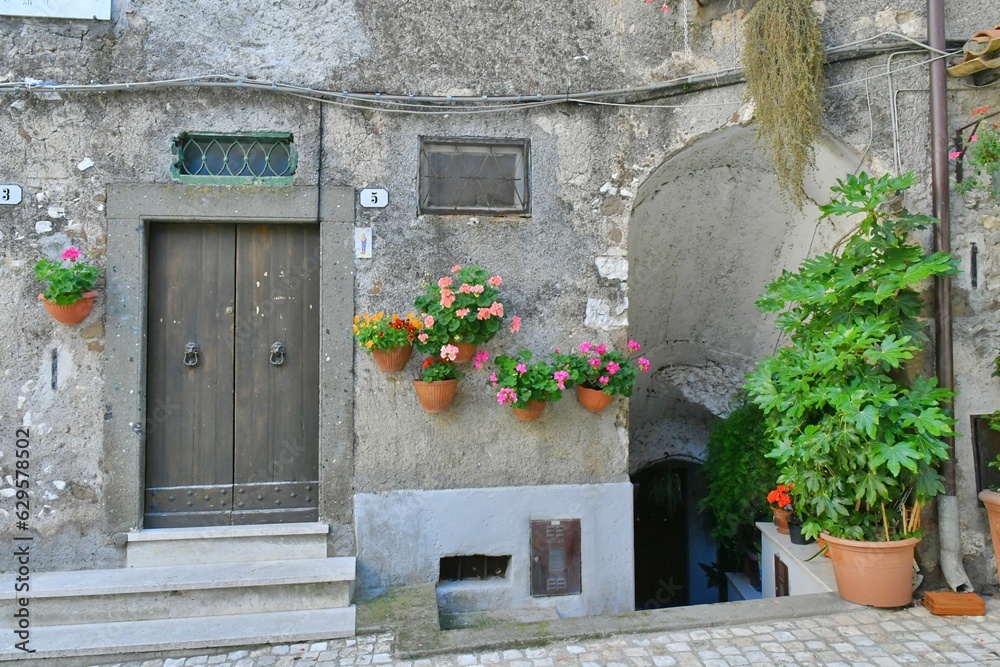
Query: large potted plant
(858, 434)
(69, 292)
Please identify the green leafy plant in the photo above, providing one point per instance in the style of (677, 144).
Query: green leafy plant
(435, 369)
(67, 279)
(464, 307)
(783, 65)
(518, 381)
(378, 332)
(603, 368)
(981, 157)
(739, 476)
(858, 434)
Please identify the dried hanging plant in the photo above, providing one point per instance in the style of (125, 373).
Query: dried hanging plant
(783, 61)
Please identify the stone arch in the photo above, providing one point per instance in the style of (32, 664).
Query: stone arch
(708, 231)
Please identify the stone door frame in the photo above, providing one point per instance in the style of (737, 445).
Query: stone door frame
(130, 206)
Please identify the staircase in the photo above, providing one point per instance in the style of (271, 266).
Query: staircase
(187, 589)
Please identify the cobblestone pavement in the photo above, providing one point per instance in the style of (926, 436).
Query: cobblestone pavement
(866, 637)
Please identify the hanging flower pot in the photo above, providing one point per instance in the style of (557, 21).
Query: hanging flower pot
(74, 313)
(594, 400)
(435, 396)
(991, 499)
(530, 413)
(394, 359)
(466, 351)
(879, 574)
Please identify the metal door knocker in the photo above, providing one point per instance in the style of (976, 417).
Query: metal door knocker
(191, 351)
(277, 353)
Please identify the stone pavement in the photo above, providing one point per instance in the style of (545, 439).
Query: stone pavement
(861, 637)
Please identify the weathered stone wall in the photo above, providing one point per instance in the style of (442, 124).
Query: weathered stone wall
(564, 268)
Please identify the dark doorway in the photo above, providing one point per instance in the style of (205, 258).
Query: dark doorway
(670, 537)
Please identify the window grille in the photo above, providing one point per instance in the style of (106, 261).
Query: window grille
(206, 158)
(474, 176)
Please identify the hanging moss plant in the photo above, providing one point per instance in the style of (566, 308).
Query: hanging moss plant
(783, 61)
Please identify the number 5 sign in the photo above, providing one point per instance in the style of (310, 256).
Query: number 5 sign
(10, 194)
(374, 198)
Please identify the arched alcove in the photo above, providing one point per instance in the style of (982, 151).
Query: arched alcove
(709, 230)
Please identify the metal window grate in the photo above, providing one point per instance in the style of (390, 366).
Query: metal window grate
(268, 157)
(474, 176)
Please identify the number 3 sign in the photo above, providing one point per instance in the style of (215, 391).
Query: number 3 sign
(10, 194)
(374, 198)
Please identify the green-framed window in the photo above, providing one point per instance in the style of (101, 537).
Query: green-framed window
(210, 158)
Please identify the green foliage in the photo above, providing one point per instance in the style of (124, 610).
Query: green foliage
(67, 280)
(379, 332)
(860, 441)
(783, 64)
(739, 475)
(435, 369)
(464, 307)
(525, 381)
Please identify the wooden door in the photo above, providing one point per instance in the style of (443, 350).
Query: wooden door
(232, 375)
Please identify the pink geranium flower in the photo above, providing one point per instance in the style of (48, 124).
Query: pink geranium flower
(422, 337)
(585, 346)
(449, 352)
(466, 288)
(495, 281)
(456, 268)
(601, 349)
(633, 345)
(560, 377)
(494, 379)
(447, 298)
(444, 282)
(483, 314)
(71, 253)
(462, 312)
(481, 358)
(612, 368)
(521, 368)
(595, 362)
(515, 324)
(477, 289)
(428, 321)
(954, 155)
(506, 396)
(604, 379)
(496, 309)
(643, 363)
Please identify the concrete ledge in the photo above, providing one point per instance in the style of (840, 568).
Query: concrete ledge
(184, 577)
(217, 532)
(226, 544)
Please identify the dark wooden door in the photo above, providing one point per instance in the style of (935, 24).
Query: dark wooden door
(232, 375)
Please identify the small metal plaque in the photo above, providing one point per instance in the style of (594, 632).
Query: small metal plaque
(555, 558)
(10, 194)
(374, 198)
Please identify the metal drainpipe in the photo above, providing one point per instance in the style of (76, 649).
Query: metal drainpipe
(948, 522)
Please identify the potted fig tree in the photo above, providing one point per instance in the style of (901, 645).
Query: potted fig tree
(858, 432)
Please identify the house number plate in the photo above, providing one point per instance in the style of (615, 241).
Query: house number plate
(10, 194)
(374, 198)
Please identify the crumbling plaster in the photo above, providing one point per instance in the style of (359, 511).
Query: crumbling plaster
(563, 263)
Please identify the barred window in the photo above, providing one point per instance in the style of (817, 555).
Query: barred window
(474, 176)
(261, 157)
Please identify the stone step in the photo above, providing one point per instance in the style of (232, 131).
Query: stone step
(226, 544)
(217, 589)
(98, 643)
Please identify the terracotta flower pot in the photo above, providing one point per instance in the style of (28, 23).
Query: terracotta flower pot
(992, 501)
(435, 396)
(594, 400)
(392, 360)
(781, 519)
(74, 313)
(530, 413)
(879, 574)
(466, 351)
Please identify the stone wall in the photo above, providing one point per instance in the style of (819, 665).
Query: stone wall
(596, 172)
